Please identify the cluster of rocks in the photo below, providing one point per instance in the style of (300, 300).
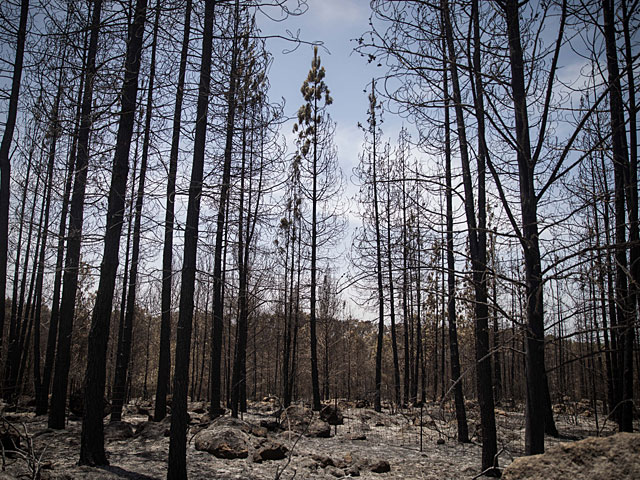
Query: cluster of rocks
(346, 466)
(230, 438)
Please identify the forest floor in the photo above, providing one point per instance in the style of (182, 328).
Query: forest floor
(364, 439)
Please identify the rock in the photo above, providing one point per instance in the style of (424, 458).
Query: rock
(357, 437)
(270, 425)
(353, 470)
(144, 409)
(308, 463)
(246, 427)
(323, 460)
(198, 407)
(154, 430)
(318, 429)
(295, 418)
(380, 466)
(345, 461)
(300, 419)
(270, 451)
(334, 471)
(118, 431)
(223, 442)
(593, 458)
(332, 415)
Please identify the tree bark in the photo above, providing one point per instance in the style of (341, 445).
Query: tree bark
(124, 348)
(92, 437)
(179, 417)
(478, 249)
(76, 214)
(5, 163)
(164, 361)
(534, 333)
(461, 414)
(218, 297)
(624, 303)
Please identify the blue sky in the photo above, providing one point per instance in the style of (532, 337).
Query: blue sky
(335, 23)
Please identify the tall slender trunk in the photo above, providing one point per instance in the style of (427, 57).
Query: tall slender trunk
(164, 361)
(16, 276)
(405, 288)
(534, 333)
(41, 393)
(237, 380)
(179, 417)
(631, 187)
(625, 301)
(392, 310)
(52, 336)
(477, 244)
(315, 381)
(76, 214)
(19, 321)
(123, 356)
(5, 163)
(218, 297)
(373, 160)
(92, 437)
(461, 414)
(29, 315)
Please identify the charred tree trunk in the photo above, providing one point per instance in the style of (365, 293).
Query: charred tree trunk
(164, 361)
(624, 302)
(72, 260)
(478, 250)
(124, 347)
(218, 297)
(461, 414)
(92, 438)
(179, 417)
(5, 163)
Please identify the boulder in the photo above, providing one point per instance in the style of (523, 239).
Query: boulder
(270, 451)
(332, 415)
(380, 466)
(236, 423)
(296, 418)
(334, 472)
(154, 430)
(323, 460)
(300, 419)
(118, 431)
(318, 429)
(223, 442)
(271, 425)
(308, 463)
(353, 470)
(593, 458)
